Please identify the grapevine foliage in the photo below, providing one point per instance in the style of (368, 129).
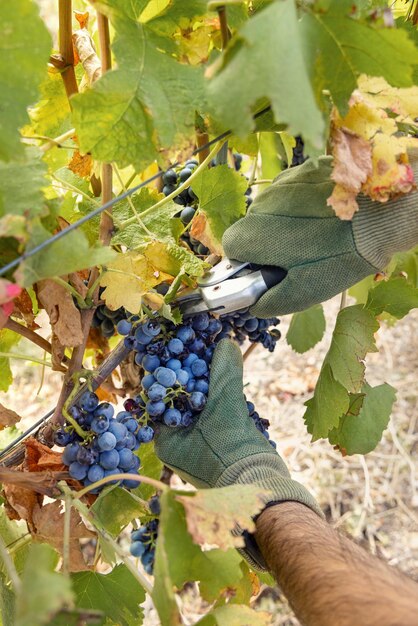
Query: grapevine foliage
(87, 116)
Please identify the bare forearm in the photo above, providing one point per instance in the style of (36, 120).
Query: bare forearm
(327, 578)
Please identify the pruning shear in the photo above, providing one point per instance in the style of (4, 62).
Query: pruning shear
(228, 287)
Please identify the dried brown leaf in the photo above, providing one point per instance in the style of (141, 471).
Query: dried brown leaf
(201, 231)
(39, 458)
(81, 165)
(8, 417)
(21, 503)
(49, 527)
(64, 316)
(23, 304)
(213, 514)
(57, 354)
(86, 52)
(352, 165)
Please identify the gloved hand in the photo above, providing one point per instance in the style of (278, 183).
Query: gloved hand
(223, 447)
(289, 225)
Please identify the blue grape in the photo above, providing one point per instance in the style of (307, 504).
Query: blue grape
(131, 442)
(145, 434)
(126, 459)
(109, 459)
(170, 177)
(199, 367)
(78, 471)
(95, 473)
(99, 424)
(150, 362)
(197, 400)
(147, 381)
(106, 441)
(142, 338)
(186, 334)
(70, 453)
(172, 417)
(130, 424)
(175, 346)
(182, 377)
(185, 173)
(151, 328)
(187, 362)
(117, 429)
(173, 364)
(187, 214)
(165, 377)
(187, 419)
(155, 409)
(157, 392)
(191, 384)
(124, 328)
(88, 401)
(154, 505)
(251, 325)
(62, 437)
(200, 321)
(202, 385)
(86, 456)
(104, 409)
(137, 549)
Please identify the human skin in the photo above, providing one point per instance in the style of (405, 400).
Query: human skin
(327, 578)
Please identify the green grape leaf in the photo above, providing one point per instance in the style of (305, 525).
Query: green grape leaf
(44, 592)
(360, 430)
(152, 467)
(7, 604)
(212, 514)
(179, 560)
(329, 402)
(8, 339)
(21, 187)
(69, 254)
(339, 47)
(127, 279)
(265, 60)
(221, 203)
(306, 329)
(158, 222)
(50, 117)
(147, 102)
(235, 615)
(342, 371)
(352, 338)
(10, 531)
(395, 296)
(173, 259)
(118, 595)
(115, 508)
(24, 50)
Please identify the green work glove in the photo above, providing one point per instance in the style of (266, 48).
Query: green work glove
(223, 447)
(289, 225)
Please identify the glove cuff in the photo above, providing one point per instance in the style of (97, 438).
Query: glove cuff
(269, 472)
(380, 230)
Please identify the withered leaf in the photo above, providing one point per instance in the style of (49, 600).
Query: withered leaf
(8, 417)
(39, 458)
(64, 316)
(49, 527)
(212, 514)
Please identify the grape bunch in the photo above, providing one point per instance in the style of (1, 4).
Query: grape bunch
(188, 199)
(176, 364)
(109, 443)
(144, 539)
(106, 319)
(176, 361)
(298, 155)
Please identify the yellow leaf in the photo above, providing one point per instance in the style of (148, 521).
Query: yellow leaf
(127, 279)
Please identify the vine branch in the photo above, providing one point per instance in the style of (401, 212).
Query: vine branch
(66, 47)
(32, 336)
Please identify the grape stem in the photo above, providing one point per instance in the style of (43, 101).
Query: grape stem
(109, 479)
(181, 188)
(31, 335)
(10, 567)
(23, 357)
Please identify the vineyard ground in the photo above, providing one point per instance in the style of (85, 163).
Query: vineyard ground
(374, 499)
